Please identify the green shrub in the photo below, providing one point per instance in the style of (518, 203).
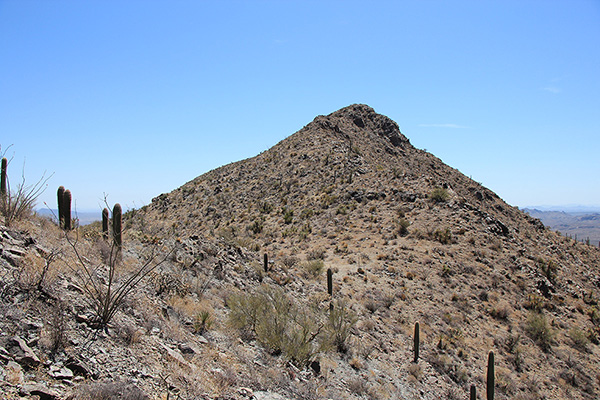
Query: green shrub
(278, 323)
(256, 227)
(202, 322)
(539, 330)
(439, 195)
(288, 215)
(403, 225)
(549, 269)
(341, 322)
(580, 338)
(307, 213)
(314, 267)
(444, 236)
(266, 207)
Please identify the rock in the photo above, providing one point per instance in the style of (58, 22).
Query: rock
(260, 395)
(61, 372)
(38, 390)
(188, 348)
(28, 325)
(202, 339)
(246, 392)
(13, 373)
(177, 356)
(26, 356)
(316, 367)
(79, 367)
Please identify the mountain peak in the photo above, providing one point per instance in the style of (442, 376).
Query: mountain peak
(357, 118)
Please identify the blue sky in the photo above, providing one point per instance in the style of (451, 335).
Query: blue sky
(135, 98)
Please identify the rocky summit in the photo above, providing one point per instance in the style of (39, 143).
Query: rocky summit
(342, 263)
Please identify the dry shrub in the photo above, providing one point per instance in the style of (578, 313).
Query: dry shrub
(109, 391)
(316, 254)
(37, 272)
(416, 371)
(357, 386)
(501, 310)
(371, 304)
(580, 339)
(314, 268)
(130, 334)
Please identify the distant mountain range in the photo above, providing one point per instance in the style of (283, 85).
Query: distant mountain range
(577, 221)
(569, 208)
(85, 218)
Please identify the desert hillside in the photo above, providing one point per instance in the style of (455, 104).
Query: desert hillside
(232, 300)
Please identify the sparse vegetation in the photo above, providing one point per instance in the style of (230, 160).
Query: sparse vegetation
(341, 322)
(18, 203)
(280, 325)
(539, 330)
(314, 267)
(439, 195)
(203, 321)
(107, 285)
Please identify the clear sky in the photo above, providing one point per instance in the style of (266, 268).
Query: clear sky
(135, 98)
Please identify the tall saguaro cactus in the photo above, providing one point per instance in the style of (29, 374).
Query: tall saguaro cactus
(473, 393)
(4, 179)
(60, 193)
(266, 263)
(66, 208)
(117, 225)
(416, 342)
(105, 223)
(329, 281)
(490, 376)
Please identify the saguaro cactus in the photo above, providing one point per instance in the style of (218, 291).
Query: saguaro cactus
(60, 193)
(416, 342)
(66, 208)
(4, 182)
(490, 376)
(117, 225)
(330, 281)
(473, 393)
(266, 262)
(105, 223)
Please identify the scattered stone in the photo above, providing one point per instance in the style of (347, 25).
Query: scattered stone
(176, 356)
(202, 339)
(79, 367)
(61, 372)
(40, 390)
(260, 395)
(188, 348)
(246, 392)
(13, 373)
(25, 356)
(28, 325)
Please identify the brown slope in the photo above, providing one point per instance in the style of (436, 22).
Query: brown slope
(474, 270)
